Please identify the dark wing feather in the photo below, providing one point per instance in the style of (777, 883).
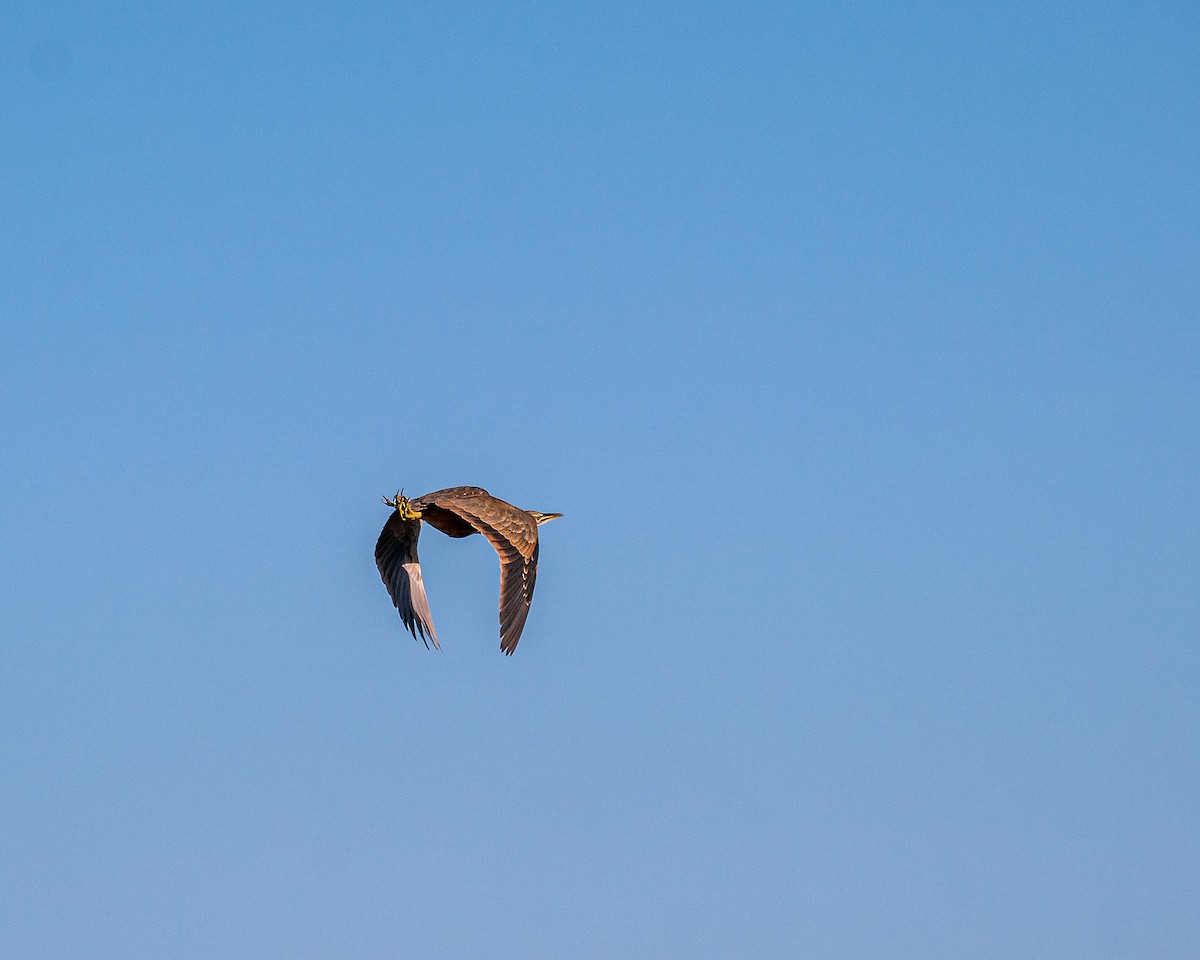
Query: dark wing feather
(449, 523)
(396, 557)
(512, 532)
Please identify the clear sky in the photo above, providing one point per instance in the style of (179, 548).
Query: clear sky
(858, 342)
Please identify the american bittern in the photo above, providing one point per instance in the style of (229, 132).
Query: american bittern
(460, 512)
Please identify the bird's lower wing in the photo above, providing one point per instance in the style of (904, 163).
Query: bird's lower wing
(517, 578)
(396, 558)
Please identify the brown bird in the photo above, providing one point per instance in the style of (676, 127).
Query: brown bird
(460, 512)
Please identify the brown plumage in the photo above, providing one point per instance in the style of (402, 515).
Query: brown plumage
(460, 512)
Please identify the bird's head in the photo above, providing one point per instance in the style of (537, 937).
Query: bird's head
(543, 517)
(403, 506)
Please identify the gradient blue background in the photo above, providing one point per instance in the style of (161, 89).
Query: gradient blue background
(859, 343)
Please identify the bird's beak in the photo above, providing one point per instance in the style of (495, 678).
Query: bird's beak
(544, 517)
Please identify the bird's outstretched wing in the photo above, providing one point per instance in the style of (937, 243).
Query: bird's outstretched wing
(510, 530)
(396, 557)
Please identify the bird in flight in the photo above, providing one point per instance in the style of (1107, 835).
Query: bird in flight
(460, 512)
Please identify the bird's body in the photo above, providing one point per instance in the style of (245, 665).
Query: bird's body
(460, 512)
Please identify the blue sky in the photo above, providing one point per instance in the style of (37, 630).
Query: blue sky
(859, 345)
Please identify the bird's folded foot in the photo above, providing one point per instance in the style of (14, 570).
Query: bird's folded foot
(400, 502)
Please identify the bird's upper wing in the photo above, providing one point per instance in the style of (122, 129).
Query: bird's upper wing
(513, 533)
(396, 557)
